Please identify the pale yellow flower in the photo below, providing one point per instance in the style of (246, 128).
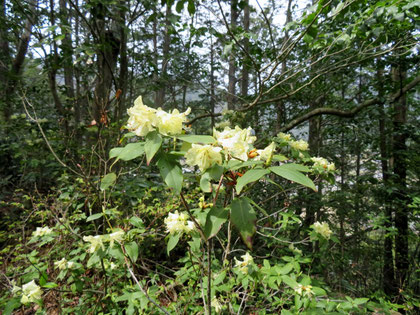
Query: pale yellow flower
(61, 264)
(42, 231)
(204, 156)
(304, 290)
(323, 229)
(331, 167)
(70, 265)
(246, 261)
(216, 304)
(320, 161)
(178, 223)
(142, 118)
(237, 142)
(31, 292)
(299, 145)
(267, 153)
(284, 136)
(96, 242)
(171, 123)
(116, 236)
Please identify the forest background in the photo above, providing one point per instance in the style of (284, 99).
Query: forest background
(342, 75)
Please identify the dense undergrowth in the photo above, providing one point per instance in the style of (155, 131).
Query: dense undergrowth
(129, 242)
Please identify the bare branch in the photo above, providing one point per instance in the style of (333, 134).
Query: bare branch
(351, 113)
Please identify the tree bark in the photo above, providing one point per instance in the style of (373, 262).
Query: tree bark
(17, 64)
(400, 197)
(231, 97)
(160, 95)
(245, 65)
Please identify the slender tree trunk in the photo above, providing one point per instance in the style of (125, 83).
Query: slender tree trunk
(388, 273)
(281, 111)
(245, 65)
(212, 82)
(17, 64)
(67, 52)
(123, 76)
(160, 98)
(400, 197)
(231, 97)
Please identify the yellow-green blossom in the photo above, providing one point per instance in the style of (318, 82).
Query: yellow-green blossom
(301, 145)
(216, 304)
(71, 264)
(223, 124)
(323, 229)
(96, 242)
(116, 236)
(61, 264)
(323, 163)
(178, 223)
(204, 156)
(31, 292)
(246, 261)
(237, 142)
(142, 118)
(284, 136)
(171, 123)
(42, 231)
(267, 153)
(304, 290)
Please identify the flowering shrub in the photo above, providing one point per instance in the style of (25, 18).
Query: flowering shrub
(211, 179)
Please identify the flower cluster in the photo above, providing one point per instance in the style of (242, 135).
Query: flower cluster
(323, 163)
(304, 290)
(63, 264)
(236, 142)
(144, 119)
(300, 145)
(244, 264)
(178, 223)
(267, 153)
(204, 156)
(97, 241)
(30, 292)
(42, 231)
(322, 229)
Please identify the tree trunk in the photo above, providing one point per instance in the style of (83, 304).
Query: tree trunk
(281, 111)
(231, 97)
(160, 95)
(17, 64)
(245, 65)
(67, 52)
(400, 197)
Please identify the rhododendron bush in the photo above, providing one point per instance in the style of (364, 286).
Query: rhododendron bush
(210, 227)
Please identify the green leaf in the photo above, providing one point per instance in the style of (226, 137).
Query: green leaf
(94, 217)
(108, 180)
(180, 6)
(205, 184)
(243, 217)
(214, 221)
(132, 250)
(296, 167)
(293, 175)
(50, 285)
(137, 222)
(129, 152)
(172, 242)
(249, 177)
(279, 158)
(191, 7)
(152, 145)
(197, 139)
(290, 282)
(171, 172)
(284, 269)
(12, 305)
(245, 164)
